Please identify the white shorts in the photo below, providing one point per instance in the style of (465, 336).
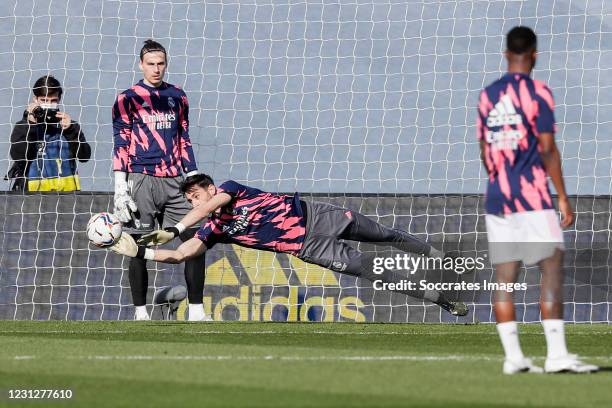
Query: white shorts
(528, 236)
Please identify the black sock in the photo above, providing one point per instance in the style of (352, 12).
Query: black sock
(194, 277)
(139, 281)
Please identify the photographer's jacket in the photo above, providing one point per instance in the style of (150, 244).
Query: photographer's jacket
(45, 156)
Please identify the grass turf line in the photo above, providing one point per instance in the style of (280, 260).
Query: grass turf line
(136, 364)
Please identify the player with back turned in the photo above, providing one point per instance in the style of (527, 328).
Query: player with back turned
(152, 153)
(516, 130)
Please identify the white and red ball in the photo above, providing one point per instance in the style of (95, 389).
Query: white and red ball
(103, 229)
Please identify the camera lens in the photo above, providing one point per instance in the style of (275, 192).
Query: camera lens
(39, 114)
(45, 115)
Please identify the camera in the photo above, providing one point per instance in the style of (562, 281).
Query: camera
(46, 114)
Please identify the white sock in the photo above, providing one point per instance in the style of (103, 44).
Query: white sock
(555, 338)
(196, 311)
(508, 333)
(141, 312)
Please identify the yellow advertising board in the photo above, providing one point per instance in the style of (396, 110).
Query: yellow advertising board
(246, 284)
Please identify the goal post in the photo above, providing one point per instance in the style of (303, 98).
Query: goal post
(366, 104)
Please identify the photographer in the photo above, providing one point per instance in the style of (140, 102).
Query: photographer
(46, 143)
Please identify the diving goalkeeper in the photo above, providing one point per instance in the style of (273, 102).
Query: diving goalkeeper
(310, 231)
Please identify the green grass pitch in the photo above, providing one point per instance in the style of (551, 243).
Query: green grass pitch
(173, 364)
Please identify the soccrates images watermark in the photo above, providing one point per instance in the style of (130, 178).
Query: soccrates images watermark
(428, 279)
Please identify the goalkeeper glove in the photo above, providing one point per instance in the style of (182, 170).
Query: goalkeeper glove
(124, 204)
(128, 247)
(160, 237)
(125, 246)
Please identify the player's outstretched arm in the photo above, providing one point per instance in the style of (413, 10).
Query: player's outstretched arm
(187, 250)
(200, 212)
(194, 216)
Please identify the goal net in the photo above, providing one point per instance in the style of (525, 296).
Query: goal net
(366, 104)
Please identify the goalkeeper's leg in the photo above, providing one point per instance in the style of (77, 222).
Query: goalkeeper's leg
(363, 267)
(363, 229)
(194, 278)
(332, 254)
(558, 359)
(141, 188)
(139, 282)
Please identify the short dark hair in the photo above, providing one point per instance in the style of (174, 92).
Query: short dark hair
(521, 39)
(202, 180)
(152, 46)
(47, 85)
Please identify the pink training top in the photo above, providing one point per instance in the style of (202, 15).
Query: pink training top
(256, 219)
(513, 111)
(151, 131)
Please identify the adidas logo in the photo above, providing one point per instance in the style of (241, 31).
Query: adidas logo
(146, 105)
(503, 113)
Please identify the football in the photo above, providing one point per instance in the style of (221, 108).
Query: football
(103, 229)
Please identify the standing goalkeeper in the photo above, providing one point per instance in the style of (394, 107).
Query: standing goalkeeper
(151, 154)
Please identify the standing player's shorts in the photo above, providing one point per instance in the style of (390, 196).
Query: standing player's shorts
(529, 236)
(159, 199)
